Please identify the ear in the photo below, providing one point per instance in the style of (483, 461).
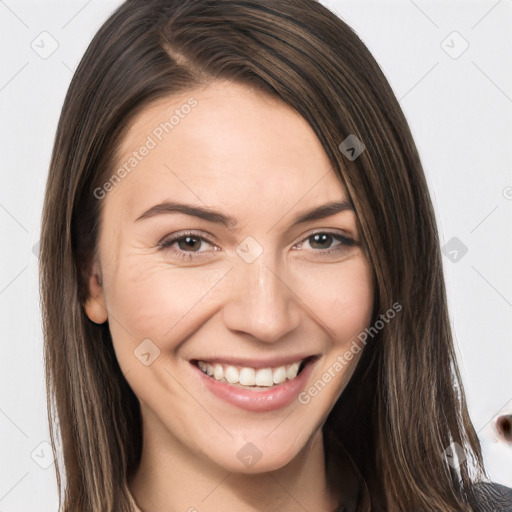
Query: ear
(95, 306)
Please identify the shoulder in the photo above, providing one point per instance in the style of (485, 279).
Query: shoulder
(492, 497)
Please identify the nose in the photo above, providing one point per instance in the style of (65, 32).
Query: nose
(261, 303)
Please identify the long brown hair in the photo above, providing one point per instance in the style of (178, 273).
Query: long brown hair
(405, 403)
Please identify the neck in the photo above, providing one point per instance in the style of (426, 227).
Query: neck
(171, 477)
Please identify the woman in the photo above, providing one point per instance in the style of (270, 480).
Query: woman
(242, 288)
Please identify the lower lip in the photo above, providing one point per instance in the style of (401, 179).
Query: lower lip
(277, 397)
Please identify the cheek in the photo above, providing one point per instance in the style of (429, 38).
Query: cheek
(148, 300)
(340, 296)
(343, 301)
(156, 301)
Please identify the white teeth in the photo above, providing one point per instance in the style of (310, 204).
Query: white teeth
(218, 372)
(247, 377)
(279, 375)
(292, 370)
(262, 377)
(231, 374)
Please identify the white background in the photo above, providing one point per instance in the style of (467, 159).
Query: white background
(460, 113)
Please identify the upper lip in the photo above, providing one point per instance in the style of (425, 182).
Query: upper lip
(273, 362)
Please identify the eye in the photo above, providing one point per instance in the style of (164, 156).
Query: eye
(188, 245)
(325, 242)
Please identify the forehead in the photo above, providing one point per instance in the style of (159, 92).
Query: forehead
(226, 144)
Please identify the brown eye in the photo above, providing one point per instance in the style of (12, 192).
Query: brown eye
(186, 245)
(189, 242)
(328, 242)
(321, 241)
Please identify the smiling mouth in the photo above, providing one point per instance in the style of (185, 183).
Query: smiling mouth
(252, 378)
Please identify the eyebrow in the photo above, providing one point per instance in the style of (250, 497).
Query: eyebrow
(320, 212)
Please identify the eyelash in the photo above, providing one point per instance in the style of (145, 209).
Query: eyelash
(166, 244)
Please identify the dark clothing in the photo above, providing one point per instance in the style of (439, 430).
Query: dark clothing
(491, 497)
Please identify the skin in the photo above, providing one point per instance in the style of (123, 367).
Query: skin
(252, 157)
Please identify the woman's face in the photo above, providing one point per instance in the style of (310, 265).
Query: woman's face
(217, 254)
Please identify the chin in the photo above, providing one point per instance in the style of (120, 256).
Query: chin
(263, 453)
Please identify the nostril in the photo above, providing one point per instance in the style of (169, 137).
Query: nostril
(504, 427)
